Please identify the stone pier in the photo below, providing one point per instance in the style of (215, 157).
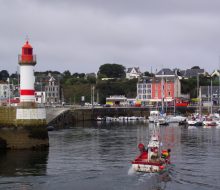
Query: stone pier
(21, 133)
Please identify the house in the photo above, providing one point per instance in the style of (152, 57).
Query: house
(133, 72)
(52, 91)
(165, 73)
(215, 73)
(189, 73)
(209, 93)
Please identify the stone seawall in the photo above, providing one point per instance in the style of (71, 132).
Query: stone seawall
(92, 113)
(21, 133)
(23, 138)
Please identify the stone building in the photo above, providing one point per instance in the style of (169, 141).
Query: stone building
(52, 91)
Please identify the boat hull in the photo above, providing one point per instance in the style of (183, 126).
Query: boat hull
(147, 167)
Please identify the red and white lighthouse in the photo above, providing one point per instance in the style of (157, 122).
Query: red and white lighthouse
(27, 61)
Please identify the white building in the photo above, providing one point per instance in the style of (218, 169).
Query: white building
(117, 100)
(144, 91)
(4, 90)
(40, 97)
(133, 72)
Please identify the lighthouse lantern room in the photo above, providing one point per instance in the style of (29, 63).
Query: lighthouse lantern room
(27, 61)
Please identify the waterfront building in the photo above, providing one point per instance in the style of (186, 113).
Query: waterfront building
(116, 100)
(166, 84)
(144, 91)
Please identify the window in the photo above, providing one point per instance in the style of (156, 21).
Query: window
(29, 51)
(144, 96)
(169, 93)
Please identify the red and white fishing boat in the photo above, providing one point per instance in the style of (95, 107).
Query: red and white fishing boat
(151, 160)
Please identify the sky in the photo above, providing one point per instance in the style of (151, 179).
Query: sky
(82, 35)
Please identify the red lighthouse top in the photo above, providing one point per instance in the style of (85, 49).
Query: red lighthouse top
(27, 56)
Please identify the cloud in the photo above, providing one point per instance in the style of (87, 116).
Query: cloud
(82, 35)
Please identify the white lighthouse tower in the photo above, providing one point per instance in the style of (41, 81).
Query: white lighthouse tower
(27, 61)
(28, 109)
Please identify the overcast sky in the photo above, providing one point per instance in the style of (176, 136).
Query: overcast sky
(81, 35)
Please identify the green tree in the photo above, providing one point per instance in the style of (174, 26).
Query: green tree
(195, 67)
(67, 74)
(4, 75)
(112, 70)
(148, 74)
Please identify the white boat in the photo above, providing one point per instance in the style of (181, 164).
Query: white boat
(175, 119)
(196, 122)
(157, 118)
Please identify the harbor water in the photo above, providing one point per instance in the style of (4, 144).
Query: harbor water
(98, 156)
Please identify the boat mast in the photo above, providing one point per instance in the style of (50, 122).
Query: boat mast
(219, 84)
(211, 96)
(162, 93)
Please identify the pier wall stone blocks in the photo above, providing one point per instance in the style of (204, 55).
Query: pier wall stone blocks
(23, 129)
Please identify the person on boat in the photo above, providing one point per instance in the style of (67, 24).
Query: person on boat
(143, 153)
(154, 154)
(165, 155)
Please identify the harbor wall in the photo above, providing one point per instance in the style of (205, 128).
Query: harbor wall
(21, 133)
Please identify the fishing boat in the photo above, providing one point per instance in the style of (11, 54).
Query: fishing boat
(152, 160)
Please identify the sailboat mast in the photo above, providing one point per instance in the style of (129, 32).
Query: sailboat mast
(211, 96)
(162, 93)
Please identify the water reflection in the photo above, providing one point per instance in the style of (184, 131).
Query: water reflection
(23, 163)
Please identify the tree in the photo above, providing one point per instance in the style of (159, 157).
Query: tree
(67, 74)
(148, 74)
(195, 67)
(112, 70)
(75, 75)
(4, 75)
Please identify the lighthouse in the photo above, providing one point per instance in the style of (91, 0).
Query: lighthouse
(27, 61)
(28, 110)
